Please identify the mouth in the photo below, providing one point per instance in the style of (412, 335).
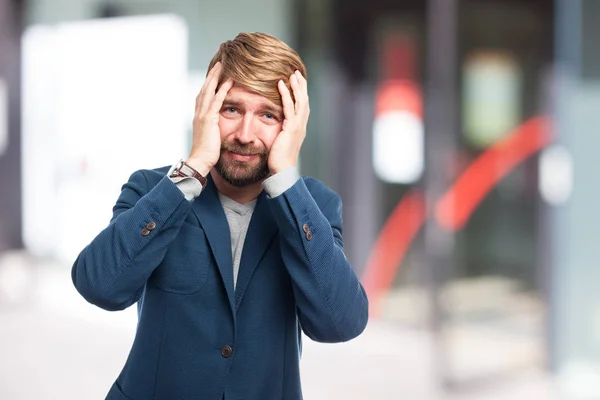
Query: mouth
(242, 157)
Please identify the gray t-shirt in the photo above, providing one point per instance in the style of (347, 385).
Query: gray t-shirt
(238, 217)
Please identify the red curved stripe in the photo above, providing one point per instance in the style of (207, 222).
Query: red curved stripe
(391, 246)
(452, 210)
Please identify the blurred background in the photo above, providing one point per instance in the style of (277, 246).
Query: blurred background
(462, 136)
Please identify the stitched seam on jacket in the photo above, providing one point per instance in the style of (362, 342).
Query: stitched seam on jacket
(160, 346)
(128, 262)
(319, 283)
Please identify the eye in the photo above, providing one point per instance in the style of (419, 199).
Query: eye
(231, 110)
(273, 118)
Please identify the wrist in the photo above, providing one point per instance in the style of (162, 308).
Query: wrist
(277, 168)
(183, 170)
(199, 165)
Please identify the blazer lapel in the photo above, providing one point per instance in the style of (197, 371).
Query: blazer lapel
(209, 211)
(260, 233)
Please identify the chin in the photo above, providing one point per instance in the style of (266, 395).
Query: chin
(241, 177)
(241, 182)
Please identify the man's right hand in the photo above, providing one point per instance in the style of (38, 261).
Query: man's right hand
(206, 140)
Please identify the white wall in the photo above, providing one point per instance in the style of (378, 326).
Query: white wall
(116, 70)
(210, 22)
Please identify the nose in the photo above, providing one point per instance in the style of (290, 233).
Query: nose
(244, 133)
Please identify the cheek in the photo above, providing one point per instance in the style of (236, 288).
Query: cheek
(268, 135)
(227, 126)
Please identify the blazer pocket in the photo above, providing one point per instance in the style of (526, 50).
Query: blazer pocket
(184, 270)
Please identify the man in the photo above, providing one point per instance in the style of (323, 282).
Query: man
(229, 254)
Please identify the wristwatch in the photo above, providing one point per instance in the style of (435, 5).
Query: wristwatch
(183, 170)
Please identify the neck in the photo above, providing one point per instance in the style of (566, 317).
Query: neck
(240, 195)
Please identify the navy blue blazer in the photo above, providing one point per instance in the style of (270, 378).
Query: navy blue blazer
(197, 338)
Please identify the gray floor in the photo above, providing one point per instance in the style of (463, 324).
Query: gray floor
(53, 345)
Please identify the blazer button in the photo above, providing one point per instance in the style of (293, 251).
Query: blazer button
(226, 351)
(151, 225)
(308, 235)
(145, 232)
(305, 228)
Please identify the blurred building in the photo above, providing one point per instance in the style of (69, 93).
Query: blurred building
(461, 135)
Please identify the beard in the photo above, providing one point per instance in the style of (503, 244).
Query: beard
(238, 173)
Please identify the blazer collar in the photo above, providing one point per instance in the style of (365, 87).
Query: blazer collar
(260, 234)
(262, 228)
(211, 216)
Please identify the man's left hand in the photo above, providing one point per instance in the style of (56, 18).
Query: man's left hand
(286, 148)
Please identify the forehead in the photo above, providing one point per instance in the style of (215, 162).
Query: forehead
(241, 95)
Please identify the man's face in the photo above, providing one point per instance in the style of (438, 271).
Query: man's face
(249, 124)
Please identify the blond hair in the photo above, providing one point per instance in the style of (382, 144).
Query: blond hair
(257, 61)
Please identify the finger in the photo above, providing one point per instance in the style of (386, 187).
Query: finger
(304, 89)
(217, 101)
(286, 100)
(210, 86)
(299, 94)
(302, 81)
(208, 89)
(206, 79)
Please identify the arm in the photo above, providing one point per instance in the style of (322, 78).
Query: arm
(112, 270)
(332, 304)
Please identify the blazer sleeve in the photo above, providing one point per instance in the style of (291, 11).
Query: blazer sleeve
(331, 303)
(112, 270)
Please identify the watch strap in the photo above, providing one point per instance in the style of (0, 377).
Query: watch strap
(184, 170)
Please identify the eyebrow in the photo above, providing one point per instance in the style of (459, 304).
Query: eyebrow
(270, 108)
(278, 111)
